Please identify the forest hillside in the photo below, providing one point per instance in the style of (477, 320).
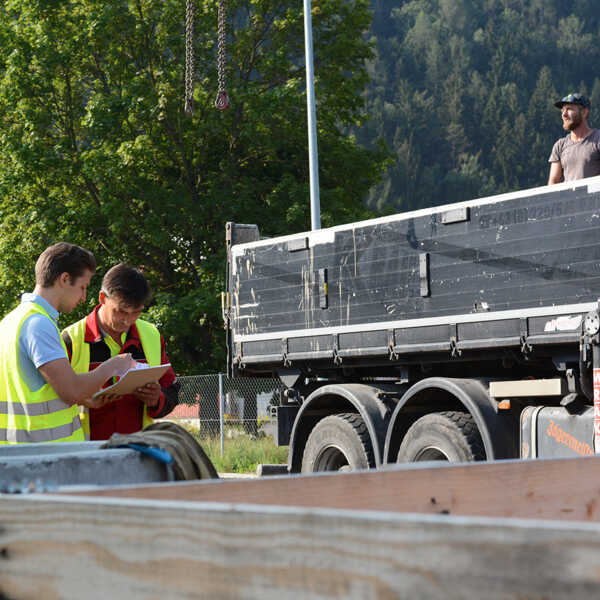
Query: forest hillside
(462, 92)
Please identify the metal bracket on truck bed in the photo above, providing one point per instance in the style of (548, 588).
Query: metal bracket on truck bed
(392, 344)
(526, 348)
(455, 351)
(337, 359)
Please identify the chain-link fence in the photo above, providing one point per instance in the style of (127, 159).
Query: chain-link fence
(218, 406)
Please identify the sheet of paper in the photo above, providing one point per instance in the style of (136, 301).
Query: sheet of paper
(134, 378)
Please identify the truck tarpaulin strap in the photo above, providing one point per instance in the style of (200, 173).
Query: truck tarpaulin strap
(597, 411)
(189, 459)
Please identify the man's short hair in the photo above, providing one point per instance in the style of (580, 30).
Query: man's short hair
(128, 284)
(60, 258)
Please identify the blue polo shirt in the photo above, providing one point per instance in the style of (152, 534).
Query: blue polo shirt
(39, 342)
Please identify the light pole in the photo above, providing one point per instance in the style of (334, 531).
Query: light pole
(313, 154)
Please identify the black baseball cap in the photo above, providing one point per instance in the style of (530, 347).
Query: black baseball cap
(574, 99)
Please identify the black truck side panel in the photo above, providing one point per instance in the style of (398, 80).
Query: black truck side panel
(500, 269)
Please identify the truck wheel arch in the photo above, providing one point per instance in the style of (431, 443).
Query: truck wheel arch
(464, 394)
(338, 398)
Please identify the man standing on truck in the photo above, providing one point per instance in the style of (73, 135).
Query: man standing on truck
(40, 392)
(112, 328)
(577, 155)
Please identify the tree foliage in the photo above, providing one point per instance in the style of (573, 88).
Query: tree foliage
(462, 91)
(96, 148)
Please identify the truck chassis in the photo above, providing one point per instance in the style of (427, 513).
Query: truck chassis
(461, 332)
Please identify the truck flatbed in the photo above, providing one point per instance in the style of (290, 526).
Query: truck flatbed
(508, 271)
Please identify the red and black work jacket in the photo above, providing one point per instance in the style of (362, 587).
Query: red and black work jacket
(124, 415)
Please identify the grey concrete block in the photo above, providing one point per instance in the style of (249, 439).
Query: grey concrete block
(25, 467)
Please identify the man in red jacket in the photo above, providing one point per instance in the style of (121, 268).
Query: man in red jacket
(112, 328)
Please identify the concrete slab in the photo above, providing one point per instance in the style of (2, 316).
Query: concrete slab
(46, 449)
(28, 467)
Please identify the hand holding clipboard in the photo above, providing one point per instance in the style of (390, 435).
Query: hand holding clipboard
(134, 378)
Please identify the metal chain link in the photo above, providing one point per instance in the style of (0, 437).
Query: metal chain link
(222, 101)
(189, 57)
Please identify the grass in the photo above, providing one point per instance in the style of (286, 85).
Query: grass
(242, 454)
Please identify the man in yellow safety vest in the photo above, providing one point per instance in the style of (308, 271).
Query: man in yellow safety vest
(39, 390)
(114, 327)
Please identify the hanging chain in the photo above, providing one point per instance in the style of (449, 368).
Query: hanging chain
(222, 101)
(189, 58)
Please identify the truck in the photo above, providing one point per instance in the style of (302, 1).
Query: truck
(459, 333)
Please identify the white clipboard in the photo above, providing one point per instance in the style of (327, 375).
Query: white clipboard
(133, 379)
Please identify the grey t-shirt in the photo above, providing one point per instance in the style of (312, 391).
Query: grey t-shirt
(578, 159)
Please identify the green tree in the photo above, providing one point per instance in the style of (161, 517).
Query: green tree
(544, 120)
(97, 150)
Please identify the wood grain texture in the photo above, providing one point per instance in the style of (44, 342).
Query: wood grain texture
(561, 489)
(62, 548)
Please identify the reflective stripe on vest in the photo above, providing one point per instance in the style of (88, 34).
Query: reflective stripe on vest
(25, 415)
(150, 338)
(62, 433)
(33, 410)
(80, 357)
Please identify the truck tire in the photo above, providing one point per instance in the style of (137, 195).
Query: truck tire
(450, 436)
(338, 443)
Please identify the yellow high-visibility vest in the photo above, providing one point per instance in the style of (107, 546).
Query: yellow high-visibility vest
(80, 359)
(25, 415)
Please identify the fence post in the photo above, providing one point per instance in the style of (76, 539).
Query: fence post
(221, 416)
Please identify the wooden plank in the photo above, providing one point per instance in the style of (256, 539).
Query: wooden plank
(565, 489)
(72, 548)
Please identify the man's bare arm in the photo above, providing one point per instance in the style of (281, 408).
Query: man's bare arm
(75, 388)
(556, 173)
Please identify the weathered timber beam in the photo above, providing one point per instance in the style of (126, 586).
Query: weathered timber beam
(64, 547)
(565, 489)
